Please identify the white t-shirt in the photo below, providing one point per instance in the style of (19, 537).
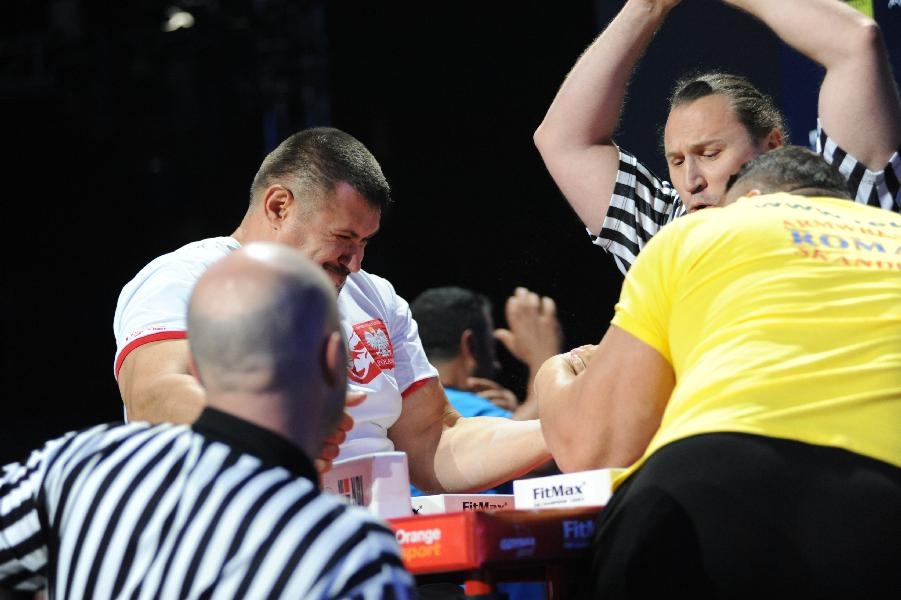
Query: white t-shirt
(386, 359)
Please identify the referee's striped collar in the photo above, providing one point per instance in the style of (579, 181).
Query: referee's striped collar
(268, 446)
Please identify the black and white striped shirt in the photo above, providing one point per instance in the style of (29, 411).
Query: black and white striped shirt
(220, 509)
(642, 203)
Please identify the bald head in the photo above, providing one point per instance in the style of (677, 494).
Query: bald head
(262, 329)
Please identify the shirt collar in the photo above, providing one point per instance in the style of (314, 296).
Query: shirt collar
(268, 446)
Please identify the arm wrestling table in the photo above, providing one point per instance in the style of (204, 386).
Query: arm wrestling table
(480, 549)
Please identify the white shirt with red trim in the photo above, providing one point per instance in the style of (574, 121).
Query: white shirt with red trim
(386, 359)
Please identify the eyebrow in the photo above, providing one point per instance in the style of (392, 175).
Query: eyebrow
(698, 145)
(353, 233)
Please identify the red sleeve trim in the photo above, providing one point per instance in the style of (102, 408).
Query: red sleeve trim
(155, 337)
(416, 385)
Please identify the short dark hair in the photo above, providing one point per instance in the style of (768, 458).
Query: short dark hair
(444, 313)
(790, 169)
(323, 157)
(754, 109)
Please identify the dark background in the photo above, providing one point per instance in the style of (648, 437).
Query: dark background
(122, 142)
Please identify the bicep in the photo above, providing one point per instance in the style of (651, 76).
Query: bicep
(155, 379)
(858, 102)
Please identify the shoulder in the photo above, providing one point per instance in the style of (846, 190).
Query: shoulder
(103, 439)
(188, 258)
(201, 253)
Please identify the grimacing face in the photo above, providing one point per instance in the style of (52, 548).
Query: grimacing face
(334, 236)
(705, 144)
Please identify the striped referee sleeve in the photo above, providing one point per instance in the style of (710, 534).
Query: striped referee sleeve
(641, 204)
(134, 511)
(874, 188)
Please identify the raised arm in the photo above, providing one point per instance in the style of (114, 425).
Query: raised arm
(533, 335)
(575, 139)
(448, 453)
(858, 103)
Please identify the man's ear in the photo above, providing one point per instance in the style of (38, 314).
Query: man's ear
(468, 351)
(467, 339)
(775, 139)
(334, 361)
(276, 199)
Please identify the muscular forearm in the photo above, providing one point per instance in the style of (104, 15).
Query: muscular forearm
(587, 107)
(478, 453)
(819, 29)
(563, 420)
(601, 405)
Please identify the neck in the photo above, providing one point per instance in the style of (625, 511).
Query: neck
(272, 412)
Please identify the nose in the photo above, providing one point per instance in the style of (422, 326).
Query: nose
(352, 257)
(694, 178)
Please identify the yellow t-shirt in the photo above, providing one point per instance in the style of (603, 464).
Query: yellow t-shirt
(781, 316)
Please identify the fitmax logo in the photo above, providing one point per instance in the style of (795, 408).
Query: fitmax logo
(556, 491)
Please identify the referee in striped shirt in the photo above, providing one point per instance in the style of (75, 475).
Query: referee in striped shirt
(228, 507)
